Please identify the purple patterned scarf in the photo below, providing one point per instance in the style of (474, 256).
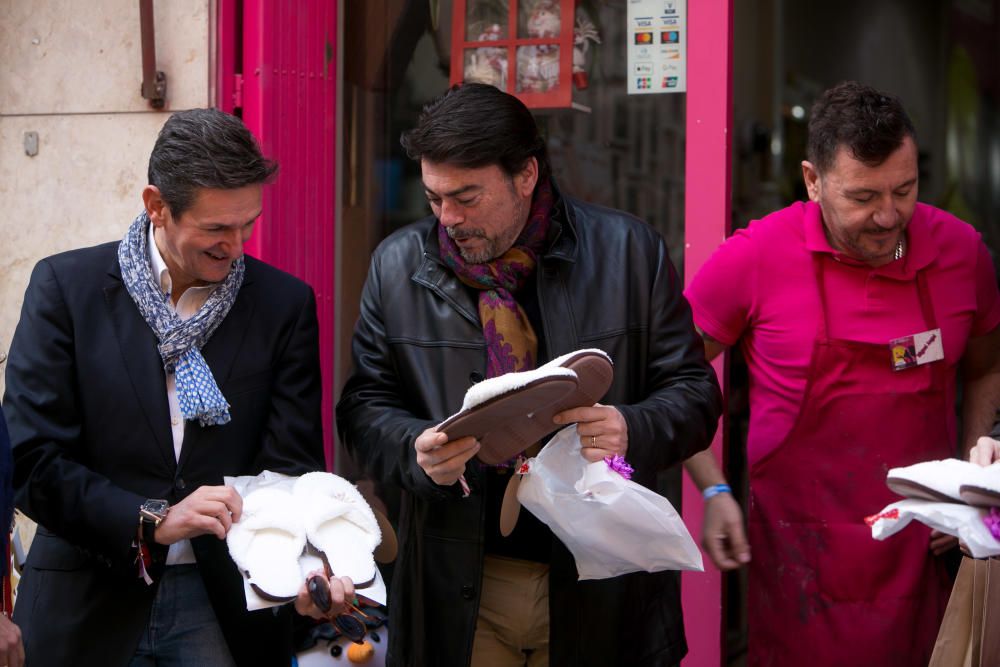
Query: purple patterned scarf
(511, 344)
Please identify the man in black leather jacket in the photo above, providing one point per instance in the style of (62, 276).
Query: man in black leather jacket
(504, 246)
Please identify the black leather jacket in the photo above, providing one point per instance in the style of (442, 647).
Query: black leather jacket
(605, 282)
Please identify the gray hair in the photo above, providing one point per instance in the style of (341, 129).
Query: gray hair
(205, 148)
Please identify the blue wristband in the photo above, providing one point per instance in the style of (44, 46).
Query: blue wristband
(714, 490)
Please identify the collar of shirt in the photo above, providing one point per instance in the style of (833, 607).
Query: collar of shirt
(192, 299)
(921, 250)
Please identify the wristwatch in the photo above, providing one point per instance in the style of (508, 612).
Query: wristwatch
(151, 513)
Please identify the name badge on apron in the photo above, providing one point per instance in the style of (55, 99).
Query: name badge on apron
(916, 350)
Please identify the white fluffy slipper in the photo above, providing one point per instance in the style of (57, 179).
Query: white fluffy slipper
(267, 541)
(511, 412)
(500, 385)
(985, 490)
(500, 411)
(339, 524)
(938, 481)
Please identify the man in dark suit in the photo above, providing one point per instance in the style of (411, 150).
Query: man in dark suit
(140, 374)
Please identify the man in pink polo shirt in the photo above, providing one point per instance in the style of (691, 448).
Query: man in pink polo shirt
(854, 311)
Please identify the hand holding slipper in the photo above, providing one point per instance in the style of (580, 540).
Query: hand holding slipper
(509, 413)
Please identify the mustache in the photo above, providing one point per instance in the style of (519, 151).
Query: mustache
(461, 234)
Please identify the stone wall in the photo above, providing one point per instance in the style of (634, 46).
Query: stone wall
(71, 72)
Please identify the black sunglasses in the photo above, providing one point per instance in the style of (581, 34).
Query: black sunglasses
(347, 621)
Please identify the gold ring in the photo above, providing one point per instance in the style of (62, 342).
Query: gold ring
(593, 441)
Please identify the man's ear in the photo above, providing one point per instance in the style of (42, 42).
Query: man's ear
(526, 179)
(156, 208)
(812, 180)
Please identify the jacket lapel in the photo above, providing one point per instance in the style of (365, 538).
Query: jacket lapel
(444, 283)
(554, 270)
(220, 354)
(223, 347)
(433, 275)
(137, 344)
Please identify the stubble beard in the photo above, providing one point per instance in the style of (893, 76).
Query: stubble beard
(474, 256)
(855, 245)
(489, 251)
(868, 253)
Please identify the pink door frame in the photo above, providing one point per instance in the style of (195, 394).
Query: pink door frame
(706, 225)
(286, 84)
(299, 217)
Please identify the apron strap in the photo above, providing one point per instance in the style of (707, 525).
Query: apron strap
(926, 303)
(819, 270)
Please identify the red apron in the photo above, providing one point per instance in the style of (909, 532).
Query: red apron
(822, 591)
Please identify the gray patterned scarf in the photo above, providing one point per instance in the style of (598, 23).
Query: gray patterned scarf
(180, 342)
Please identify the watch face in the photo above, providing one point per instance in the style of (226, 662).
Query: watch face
(156, 507)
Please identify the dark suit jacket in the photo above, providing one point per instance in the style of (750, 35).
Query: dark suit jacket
(89, 422)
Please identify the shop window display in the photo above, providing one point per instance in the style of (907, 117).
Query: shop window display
(521, 46)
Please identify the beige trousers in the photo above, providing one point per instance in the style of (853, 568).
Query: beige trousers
(513, 624)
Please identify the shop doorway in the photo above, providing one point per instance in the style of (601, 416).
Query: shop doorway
(613, 149)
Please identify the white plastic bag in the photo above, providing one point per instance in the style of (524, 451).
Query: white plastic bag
(612, 525)
(961, 521)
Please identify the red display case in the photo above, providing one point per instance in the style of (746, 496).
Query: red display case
(524, 47)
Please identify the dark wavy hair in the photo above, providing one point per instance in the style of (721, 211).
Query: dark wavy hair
(475, 125)
(869, 123)
(205, 148)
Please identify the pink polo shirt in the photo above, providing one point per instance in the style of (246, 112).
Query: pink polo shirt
(759, 289)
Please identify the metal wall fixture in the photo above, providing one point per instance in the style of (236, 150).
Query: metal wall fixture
(154, 82)
(31, 150)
